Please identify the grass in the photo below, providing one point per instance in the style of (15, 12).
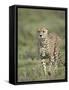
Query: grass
(32, 70)
(29, 66)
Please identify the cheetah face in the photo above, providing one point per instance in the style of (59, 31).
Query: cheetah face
(42, 33)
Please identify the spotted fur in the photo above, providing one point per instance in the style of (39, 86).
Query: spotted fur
(49, 46)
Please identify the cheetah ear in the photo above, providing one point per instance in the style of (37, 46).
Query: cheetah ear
(46, 30)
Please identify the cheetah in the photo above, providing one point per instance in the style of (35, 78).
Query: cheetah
(48, 47)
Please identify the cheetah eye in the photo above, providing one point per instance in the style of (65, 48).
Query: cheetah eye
(43, 31)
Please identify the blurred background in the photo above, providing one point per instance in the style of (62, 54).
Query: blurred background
(29, 20)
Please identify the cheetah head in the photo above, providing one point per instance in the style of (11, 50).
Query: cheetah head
(42, 32)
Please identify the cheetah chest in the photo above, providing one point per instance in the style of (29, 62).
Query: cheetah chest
(44, 49)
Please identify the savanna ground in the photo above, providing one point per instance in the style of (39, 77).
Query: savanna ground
(29, 20)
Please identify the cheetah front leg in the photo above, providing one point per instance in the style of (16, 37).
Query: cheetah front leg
(43, 60)
(51, 61)
(44, 66)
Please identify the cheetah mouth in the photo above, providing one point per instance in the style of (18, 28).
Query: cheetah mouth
(42, 39)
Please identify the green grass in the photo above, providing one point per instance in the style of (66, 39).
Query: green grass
(30, 70)
(29, 66)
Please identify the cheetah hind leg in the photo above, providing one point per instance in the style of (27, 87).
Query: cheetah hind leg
(56, 63)
(50, 69)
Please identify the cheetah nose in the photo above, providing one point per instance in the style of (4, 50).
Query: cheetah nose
(40, 35)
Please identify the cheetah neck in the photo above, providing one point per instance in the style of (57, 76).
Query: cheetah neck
(46, 41)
